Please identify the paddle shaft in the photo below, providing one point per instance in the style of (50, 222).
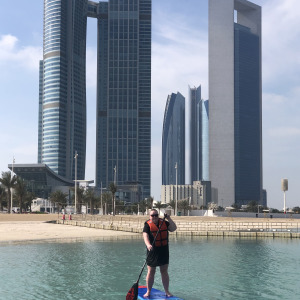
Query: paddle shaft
(150, 251)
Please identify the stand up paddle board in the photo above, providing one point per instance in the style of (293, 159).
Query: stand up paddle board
(155, 294)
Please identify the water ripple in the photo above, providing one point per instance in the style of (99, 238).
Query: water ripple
(208, 268)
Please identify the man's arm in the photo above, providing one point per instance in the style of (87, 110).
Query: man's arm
(172, 226)
(147, 241)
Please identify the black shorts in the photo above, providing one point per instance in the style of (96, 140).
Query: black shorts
(159, 256)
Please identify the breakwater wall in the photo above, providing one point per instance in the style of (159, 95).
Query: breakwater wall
(193, 226)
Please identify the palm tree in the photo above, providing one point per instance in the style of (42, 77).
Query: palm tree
(59, 198)
(143, 206)
(172, 204)
(134, 208)
(113, 190)
(184, 204)
(8, 182)
(20, 191)
(252, 206)
(150, 202)
(28, 200)
(106, 197)
(80, 197)
(91, 198)
(159, 206)
(2, 197)
(119, 206)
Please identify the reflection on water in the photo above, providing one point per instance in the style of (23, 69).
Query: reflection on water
(239, 268)
(200, 268)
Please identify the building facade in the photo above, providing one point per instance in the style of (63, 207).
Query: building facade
(205, 139)
(62, 104)
(197, 194)
(173, 141)
(123, 134)
(199, 136)
(124, 93)
(235, 101)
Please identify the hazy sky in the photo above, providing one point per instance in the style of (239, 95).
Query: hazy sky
(179, 59)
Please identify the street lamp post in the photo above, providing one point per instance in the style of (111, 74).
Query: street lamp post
(115, 175)
(75, 157)
(101, 198)
(11, 189)
(115, 183)
(176, 199)
(284, 188)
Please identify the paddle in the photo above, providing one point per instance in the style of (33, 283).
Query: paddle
(133, 292)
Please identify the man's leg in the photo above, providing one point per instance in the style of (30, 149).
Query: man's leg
(165, 278)
(150, 280)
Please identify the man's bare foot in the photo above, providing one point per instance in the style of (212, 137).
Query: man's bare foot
(147, 295)
(168, 294)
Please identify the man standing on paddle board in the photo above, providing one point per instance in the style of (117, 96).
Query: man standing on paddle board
(159, 252)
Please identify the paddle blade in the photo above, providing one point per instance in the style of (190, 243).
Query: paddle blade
(133, 292)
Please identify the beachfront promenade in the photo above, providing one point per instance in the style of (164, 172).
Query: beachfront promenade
(196, 226)
(51, 227)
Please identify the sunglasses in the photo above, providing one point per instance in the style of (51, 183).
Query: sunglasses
(155, 215)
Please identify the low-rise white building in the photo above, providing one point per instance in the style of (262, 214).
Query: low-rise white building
(198, 194)
(42, 205)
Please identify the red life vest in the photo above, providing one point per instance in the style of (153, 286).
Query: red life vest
(162, 238)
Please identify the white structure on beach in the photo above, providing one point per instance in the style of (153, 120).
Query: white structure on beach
(42, 205)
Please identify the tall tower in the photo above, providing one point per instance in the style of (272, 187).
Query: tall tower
(124, 93)
(198, 130)
(123, 111)
(173, 140)
(62, 107)
(195, 133)
(205, 139)
(235, 96)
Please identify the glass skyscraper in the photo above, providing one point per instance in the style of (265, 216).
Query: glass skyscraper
(205, 139)
(124, 93)
(198, 130)
(173, 141)
(62, 108)
(123, 110)
(247, 114)
(235, 102)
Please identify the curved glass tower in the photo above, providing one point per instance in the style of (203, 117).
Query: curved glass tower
(173, 140)
(62, 117)
(123, 135)
(205, 139)
(199, 135)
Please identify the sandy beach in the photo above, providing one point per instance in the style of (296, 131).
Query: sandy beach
(17, 228)
(33, 228)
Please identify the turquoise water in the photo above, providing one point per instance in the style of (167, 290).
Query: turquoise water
(200, 268)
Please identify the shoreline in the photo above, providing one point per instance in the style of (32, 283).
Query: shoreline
(35, 228)
(31, 228)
